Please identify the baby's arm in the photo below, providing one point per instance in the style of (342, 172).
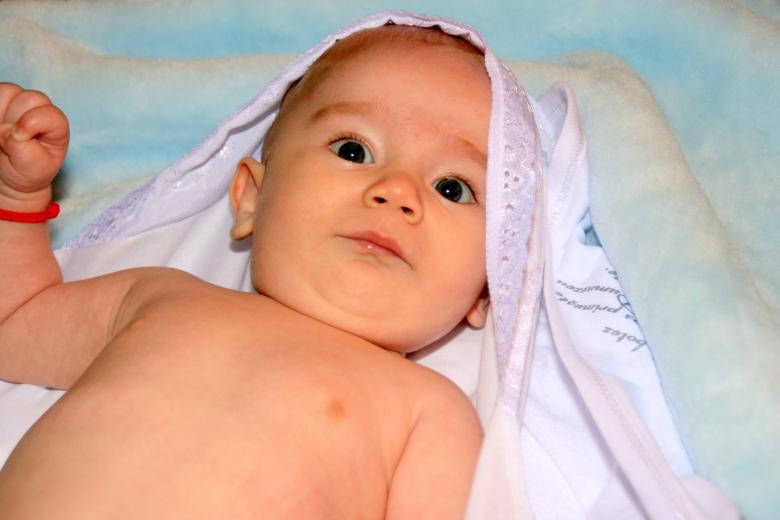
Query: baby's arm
(33, 142)
(433, 478)
(49, 331)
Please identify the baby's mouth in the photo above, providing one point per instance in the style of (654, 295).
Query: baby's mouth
(376, 243)
(372, 246)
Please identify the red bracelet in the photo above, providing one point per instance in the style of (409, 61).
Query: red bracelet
(51, 211)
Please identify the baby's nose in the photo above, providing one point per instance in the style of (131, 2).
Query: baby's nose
(396, 191)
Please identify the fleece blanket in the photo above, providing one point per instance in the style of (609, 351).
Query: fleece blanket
(678, 101)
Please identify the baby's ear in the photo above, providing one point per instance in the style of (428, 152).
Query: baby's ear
(477, 314)
(243, 193)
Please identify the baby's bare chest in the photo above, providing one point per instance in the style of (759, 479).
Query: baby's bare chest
(212, 413)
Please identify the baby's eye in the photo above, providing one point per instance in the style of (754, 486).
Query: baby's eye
(352, 150)
(455, 190)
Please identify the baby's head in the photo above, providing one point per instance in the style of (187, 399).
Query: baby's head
(367, 210)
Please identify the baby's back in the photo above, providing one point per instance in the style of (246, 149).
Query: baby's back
(213, 403)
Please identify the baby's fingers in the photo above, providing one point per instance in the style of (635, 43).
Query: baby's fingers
(33, 139)
(47, 124)
(22, 102)
(32, 148)
(8, 91)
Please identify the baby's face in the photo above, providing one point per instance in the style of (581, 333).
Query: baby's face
(370, 214)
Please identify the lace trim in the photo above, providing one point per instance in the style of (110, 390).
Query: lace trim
(514, 290)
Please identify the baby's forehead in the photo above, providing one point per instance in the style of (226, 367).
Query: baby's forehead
(388, 38)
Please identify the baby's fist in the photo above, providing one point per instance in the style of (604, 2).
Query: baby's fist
(33, 141)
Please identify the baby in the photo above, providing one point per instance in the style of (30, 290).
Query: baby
(367, 220)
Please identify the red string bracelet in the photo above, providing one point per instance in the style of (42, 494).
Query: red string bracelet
(51, 211)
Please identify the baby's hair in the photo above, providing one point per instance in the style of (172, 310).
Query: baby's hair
(355, 44)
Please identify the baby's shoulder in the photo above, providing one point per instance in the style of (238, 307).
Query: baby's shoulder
(155, 285)
(439, 398)
(434, 474)
(160, 291)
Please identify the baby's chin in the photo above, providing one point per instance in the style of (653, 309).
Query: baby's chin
(397, 326)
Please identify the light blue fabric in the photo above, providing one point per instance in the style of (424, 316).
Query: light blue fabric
(689, 219)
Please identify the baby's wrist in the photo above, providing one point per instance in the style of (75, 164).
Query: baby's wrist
(12, 200)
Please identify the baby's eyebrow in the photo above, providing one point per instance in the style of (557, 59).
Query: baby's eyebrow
(347, 107)
(467, 148)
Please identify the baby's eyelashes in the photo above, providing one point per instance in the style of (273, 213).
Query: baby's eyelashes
(351, 149)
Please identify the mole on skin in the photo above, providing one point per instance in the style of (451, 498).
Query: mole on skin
(335, 409)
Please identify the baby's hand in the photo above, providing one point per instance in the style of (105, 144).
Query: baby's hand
(33, 142)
